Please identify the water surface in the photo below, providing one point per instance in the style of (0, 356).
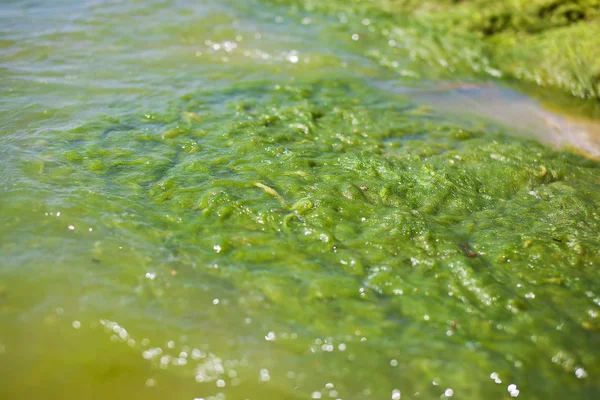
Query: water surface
(220, 200)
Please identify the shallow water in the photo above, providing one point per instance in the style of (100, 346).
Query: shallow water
(205, 200)
(522, 115)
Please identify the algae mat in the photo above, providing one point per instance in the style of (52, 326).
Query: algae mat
(219, 201)
(550, 43)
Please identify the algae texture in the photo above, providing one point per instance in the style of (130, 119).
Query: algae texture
(240, 207)
(551, 43)
(344, 211)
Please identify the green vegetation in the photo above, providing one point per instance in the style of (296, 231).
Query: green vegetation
(551, 43)
(233, 201)
(347, 211)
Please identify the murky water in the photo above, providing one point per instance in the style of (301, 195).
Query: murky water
(156, 244)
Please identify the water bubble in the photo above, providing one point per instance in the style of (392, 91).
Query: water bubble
(327, 348)
(580, 373)
(512, 389)
(293, 57)
(264, 375)
(151, 275)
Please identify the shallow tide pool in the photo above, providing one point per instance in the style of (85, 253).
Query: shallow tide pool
(236, 200)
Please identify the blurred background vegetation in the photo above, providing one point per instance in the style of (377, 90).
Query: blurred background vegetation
(550, 43)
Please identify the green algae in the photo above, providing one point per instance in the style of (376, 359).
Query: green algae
(280, 231)
(551, 43)
(344, 213)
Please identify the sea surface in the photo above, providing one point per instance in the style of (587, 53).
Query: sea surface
(232, 200)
